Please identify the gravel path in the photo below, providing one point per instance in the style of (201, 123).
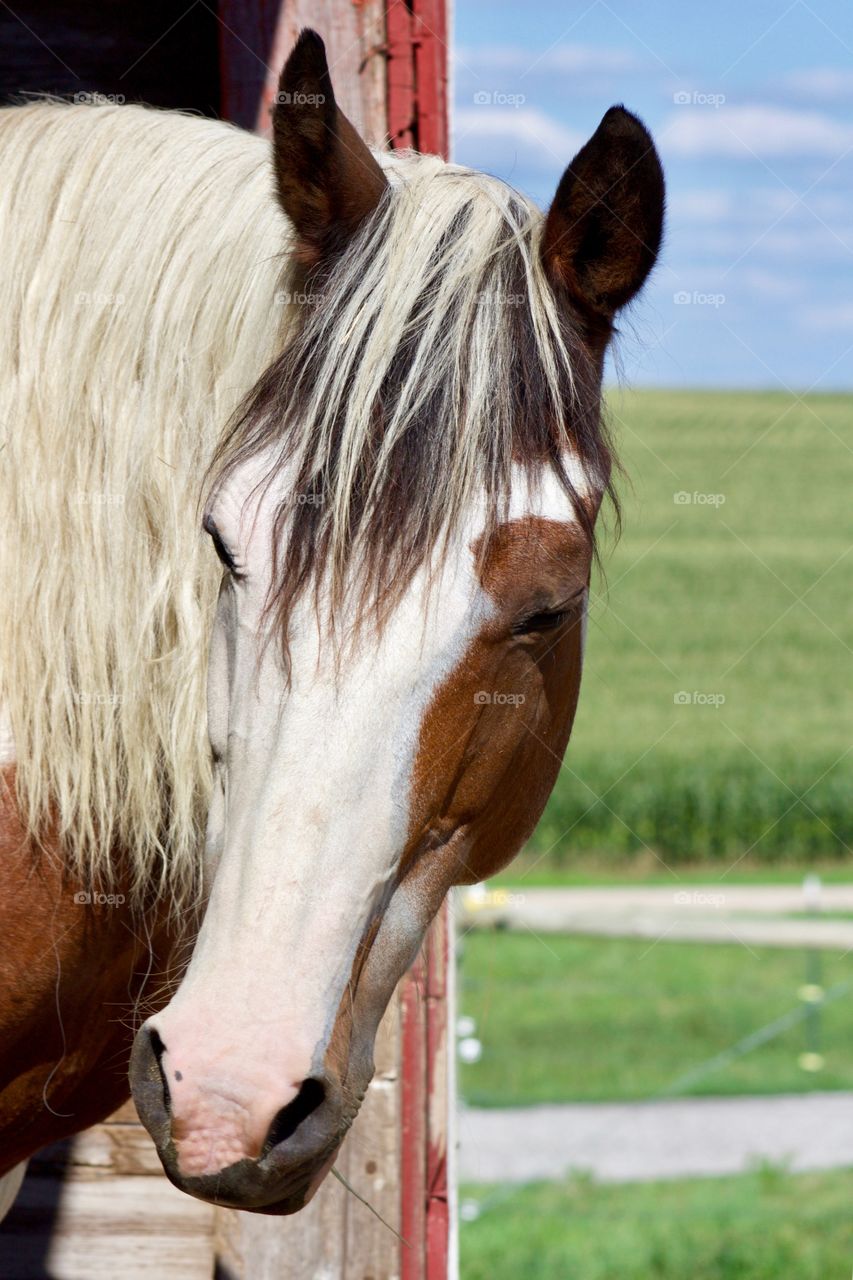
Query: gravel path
(752, 915)
(676, 1138)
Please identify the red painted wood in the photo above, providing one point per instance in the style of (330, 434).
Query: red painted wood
(418, 117)
(413, 1114)
(401, 75)
(431, 62)
(425, 1208)
(257, 36)
(417, 74)
(438, 1100)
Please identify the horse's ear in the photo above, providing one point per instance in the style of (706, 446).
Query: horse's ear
(603, 230)
(328, 180)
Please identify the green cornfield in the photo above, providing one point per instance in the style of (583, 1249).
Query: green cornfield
(716, 718)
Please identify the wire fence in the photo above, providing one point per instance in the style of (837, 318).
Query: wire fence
(813, 999)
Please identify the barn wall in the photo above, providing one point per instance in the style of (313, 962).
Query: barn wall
(132, 50)
(255, 40)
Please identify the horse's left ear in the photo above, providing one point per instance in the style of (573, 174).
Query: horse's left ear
(328, 180)
(603, 231)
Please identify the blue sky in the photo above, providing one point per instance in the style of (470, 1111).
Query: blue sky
(751, 105)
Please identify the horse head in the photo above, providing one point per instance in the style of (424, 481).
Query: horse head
(405, 511)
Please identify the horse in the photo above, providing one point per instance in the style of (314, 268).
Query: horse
(370, 383)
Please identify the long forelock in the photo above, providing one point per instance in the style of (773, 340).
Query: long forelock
(430, 357)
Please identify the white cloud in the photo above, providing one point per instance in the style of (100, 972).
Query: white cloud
(828, 84)
(831, 316)
(755, 207)
(587, 59)
(815, 241)
(736, 246)
(580, 59)
(698, 205)
(489, 136)
(779, 285)
(742, 132)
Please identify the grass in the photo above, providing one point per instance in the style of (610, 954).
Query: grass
(765, 1225)
(530, 870)
(745, 600)
(565, 1018)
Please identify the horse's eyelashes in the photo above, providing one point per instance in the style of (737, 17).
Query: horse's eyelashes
(546, 619)
(222, 551)
(219, 547)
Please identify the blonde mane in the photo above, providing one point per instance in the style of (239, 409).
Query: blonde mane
(142, 255)
(146, 298)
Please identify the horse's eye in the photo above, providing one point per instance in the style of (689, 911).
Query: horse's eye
(540, 622)
(219, 546)
(547, 619)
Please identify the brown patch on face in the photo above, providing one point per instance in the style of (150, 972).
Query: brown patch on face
(533, 564)
(493, 738)
(485, 766)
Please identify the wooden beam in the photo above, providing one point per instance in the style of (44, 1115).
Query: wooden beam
(258, 35)
(418, 117)
(426, 1106)
(100, 1202)
(431, 75)
(336, 1236)
(402, 110)
(418, 61)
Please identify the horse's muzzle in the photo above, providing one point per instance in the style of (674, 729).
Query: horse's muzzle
(303, 1139)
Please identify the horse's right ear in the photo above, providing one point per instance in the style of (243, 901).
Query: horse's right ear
(328, 180)
(603, 231)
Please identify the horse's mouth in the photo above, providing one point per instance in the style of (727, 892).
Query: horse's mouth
(281, 1181)
(257, 1186)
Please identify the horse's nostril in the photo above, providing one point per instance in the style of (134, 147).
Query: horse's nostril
(311, 1094)
(158, 1049)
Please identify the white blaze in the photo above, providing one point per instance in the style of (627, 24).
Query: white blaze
(309, 818)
